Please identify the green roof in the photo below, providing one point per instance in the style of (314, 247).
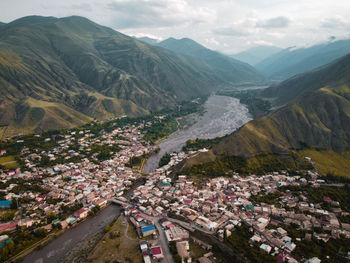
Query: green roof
(164, 184)
(250, 207)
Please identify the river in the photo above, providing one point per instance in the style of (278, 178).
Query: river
(58, 248)
(71, 238)
(222, 116)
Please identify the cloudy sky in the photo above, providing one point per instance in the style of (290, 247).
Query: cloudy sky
(229, 26)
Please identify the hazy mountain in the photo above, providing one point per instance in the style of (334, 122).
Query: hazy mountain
(148, 40)
(257, 54)
(232, 69)
(292, 61)
(318, 116)
(57, 73)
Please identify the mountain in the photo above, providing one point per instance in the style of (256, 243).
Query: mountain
(62, 72)
(292, 61)
(317, 116)
(148, 40)
(231, 69)
(297, 86)
(257, 54)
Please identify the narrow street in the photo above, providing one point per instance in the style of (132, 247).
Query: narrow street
(164, 242)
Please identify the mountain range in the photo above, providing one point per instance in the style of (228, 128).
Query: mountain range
(231, 69)
(63, 72)
(293, 61)
(316, 114)
(257, 54)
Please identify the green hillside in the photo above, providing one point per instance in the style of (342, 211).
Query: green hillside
(331, 75)
(318, 118)
(231, 69)
(89, 71)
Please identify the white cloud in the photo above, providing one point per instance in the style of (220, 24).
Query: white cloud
(276, 22)
(156, 13)
(225, 25)
(336, 23)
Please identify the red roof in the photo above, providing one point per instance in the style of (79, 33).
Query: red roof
(281, 258)
(156, 250)
(327, 199)
(4, 227)
(143, 216)
(80, 211)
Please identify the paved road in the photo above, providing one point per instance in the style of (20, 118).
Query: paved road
(164, 242)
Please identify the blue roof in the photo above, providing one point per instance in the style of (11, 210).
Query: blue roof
(5, 202)
(147, 228)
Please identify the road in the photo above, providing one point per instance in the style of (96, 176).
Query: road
(163, 241)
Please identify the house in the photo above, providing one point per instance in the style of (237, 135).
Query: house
(157, 253)
(148, 230)
(266, 248)
(182, 249)
(5, 203)
(8, 227)
(101, 203)
(313, 260)
(81, 213)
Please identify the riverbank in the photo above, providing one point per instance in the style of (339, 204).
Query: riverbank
(60, 246)
(84, 231)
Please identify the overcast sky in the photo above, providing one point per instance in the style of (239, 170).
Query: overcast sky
(229, 26)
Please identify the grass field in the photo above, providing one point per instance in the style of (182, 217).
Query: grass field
(196, 251)
(330, 162)
(8, 162)
(120, 244)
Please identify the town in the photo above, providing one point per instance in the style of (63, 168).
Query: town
(84, 171)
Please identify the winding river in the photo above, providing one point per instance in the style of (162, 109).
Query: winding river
(222, 116)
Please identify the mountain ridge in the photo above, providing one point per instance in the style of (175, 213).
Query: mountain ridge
(233, 70)
(292, 61)
(93, 70)
(257, 54)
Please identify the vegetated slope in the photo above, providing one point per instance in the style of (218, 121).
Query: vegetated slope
(319, 118)
(292, 61)
(254, 55)
(230, 69)
(92, 70)
(297, 86)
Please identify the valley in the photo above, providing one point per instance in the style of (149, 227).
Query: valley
(180, 150)
(221, 116)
